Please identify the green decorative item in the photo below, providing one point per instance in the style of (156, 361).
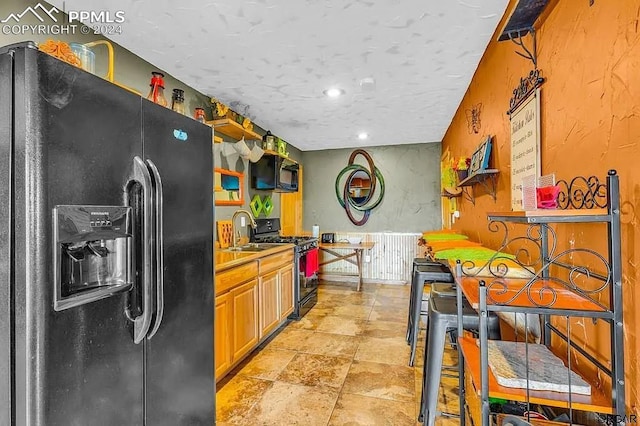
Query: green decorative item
(267, 205)
(444, 237)
(472, 253)
(359, 188)
(256, 205)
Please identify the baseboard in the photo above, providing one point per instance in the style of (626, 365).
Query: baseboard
(349, 279)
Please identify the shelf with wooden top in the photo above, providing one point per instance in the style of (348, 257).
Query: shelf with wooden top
(596, 402)
(233, 130)
(277, 154)
(543, 295)
(449, 192)
(552, 216)
(487, 178)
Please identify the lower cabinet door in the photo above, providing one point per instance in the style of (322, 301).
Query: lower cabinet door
(245, 333)
(286, 291)
(222, 336)
(269, 303)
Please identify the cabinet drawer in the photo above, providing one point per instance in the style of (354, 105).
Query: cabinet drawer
(275, 261)
(230, 278)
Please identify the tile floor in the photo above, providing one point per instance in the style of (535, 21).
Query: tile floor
(344, 363)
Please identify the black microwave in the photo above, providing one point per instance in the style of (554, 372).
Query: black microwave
(275, 173)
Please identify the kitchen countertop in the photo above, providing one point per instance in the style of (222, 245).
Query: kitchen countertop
(223, 259)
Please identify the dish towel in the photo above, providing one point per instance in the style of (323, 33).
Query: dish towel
(311, 267)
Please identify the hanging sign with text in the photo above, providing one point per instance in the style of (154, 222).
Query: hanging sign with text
(525, 146)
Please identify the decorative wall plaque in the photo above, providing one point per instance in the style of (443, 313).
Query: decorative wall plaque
(525, 145)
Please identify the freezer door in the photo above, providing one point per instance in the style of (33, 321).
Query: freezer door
(6, 83)
(180, 388)
(75, 139)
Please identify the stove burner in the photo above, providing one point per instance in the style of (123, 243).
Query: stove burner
(302, 244)
(279, 239)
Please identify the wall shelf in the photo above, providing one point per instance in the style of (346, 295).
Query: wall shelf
(522, 18)
(228, 187)
(451, 192)
(233, 130)
(487, 178)
(276, 154)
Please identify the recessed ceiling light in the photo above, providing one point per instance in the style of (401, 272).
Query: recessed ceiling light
(368, 84)
(363, 135)
(334, 92)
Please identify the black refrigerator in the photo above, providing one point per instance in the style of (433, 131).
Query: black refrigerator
(106, 258)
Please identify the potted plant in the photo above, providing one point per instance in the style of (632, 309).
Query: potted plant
(462, 167)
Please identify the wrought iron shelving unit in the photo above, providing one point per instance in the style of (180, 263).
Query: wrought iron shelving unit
(579, 291)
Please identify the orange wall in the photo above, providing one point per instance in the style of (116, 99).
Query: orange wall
(590, 122)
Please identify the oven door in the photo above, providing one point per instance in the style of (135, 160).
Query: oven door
(308, 271)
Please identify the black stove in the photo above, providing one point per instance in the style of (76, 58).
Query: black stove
(268, 231)
(305, 262)
(301, 243)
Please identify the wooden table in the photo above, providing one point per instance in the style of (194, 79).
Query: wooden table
(356, 251)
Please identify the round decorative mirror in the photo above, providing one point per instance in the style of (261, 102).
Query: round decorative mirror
(359, 187)
(359, 192)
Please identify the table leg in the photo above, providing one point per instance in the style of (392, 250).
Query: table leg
(359, 261)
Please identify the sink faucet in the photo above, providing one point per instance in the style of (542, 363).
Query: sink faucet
(233, 224)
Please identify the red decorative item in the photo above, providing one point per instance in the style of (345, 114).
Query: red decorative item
(547, 197)
(156, 93)
(312, 265)
(199, 114)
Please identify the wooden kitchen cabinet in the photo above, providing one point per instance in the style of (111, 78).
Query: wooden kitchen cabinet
(276, 298)
(252, 300)
(269, 302)
(245, 330)
(278, 268)
(286, 291)
(222, 334)
(291, 209)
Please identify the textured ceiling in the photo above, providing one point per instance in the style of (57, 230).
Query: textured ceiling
(272, 59)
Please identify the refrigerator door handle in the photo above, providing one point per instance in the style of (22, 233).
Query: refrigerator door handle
(140, 174)
(159, 205)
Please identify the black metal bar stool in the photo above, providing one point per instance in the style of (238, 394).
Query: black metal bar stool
(443, 290)
(443, 318)
(421, 274)
(417, 261)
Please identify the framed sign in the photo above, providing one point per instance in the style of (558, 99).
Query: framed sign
(525, 146)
